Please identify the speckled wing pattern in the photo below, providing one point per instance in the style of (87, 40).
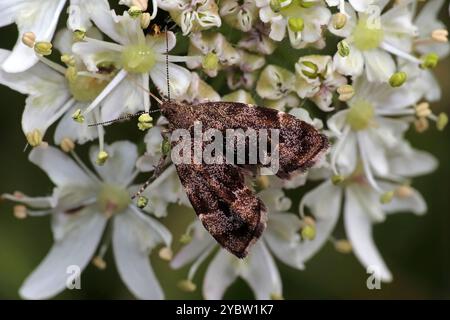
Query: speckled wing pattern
(228, 209)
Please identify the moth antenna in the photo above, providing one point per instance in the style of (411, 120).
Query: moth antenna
(146, 90)
(156, 173)
(127, 117)
(167, 64)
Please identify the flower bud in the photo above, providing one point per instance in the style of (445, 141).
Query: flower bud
(398, 79)
(296, 24)
(210, 61)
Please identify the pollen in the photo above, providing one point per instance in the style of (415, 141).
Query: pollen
(20, 212)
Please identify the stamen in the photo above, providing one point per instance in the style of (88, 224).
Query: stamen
(440, 35)
(84, 167)
(193, 269)
(387, 197)
(29, 39)
(342, 246)
(166, 254)
(110, 87)
(20, 212)
(67, 145)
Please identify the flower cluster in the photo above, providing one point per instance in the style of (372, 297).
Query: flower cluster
(359, 70)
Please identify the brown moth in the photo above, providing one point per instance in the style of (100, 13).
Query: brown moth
(228, 209)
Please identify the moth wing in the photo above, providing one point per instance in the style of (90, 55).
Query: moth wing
(228, 209)
(300, 144)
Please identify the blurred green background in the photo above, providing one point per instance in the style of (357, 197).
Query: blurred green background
(416, 249)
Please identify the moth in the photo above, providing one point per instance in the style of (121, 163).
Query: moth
(226, 206)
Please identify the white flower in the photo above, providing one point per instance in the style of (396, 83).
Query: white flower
(166, 189)
(216, 52)
(317, 80)
(281, 238)
(83, 206)
(276, 86)
(53, 92)
(137, 58)
(192, 15)
(199, 91)
(363, 205)
(358, 5)
(427, 22)
(41, 18)
(372, 40)
(303, 22)
(377, 117)
(239, 14)
(257, 40)
(245, 74)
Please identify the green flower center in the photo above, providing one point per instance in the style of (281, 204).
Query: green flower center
(138, 58)
(366, 37)
(360, 115)
(112, 199)
(84, 88)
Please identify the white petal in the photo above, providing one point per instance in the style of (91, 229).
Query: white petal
(159, 43)
(358, 226)
(261, 273)
(133, 241)
(221, 273)
(409, 162)
(61, 169)
(283, 239)
(326, 214)
(201, 241)
(120, 164)
(41, 17)
(376, 152)
(80, 133)
(380, 65)
(351, 65)
(75, 249)
(413, 202)
(125, 98)
(180, 78)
